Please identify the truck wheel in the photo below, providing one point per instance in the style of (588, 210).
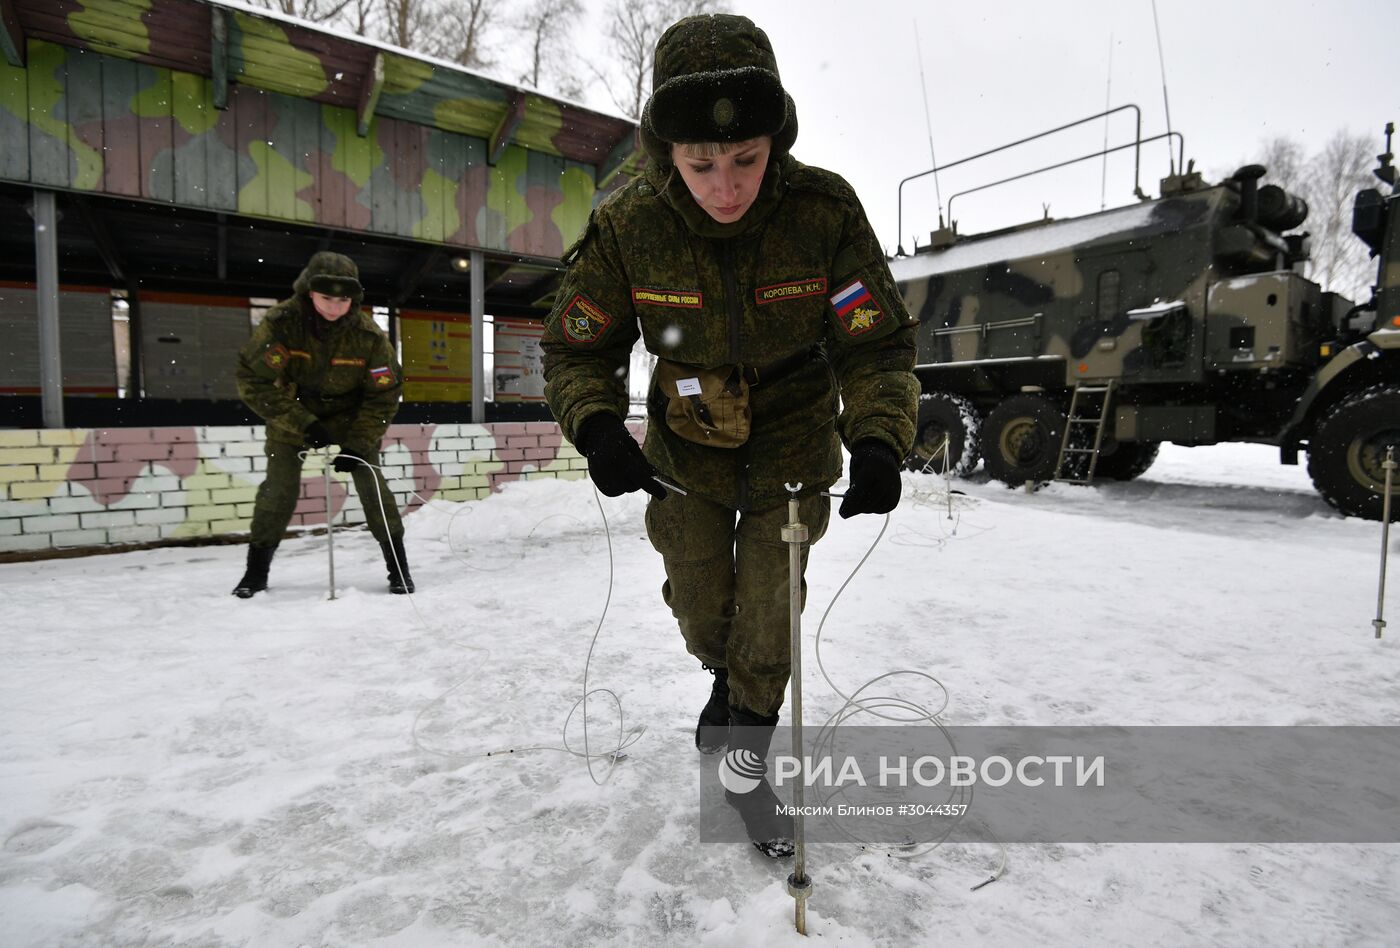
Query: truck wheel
(946, 421)
(1346, 452)
(1129, 460)
(1021, 439)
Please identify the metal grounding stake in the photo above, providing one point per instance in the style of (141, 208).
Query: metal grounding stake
(794, 534)
(330, 523)
(1389, 465)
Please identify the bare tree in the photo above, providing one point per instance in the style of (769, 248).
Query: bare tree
(1329, 181)
(460, 32)
(634, 26)
(358, 16)
(1286, 161)
(546, 25)
(1340, 261)
(313, 11)
(404, 22)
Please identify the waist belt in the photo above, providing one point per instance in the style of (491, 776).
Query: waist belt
(773, 371)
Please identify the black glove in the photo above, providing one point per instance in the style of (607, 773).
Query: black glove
(345, 462)
(875, 483)
(615, 460)
(318, 435)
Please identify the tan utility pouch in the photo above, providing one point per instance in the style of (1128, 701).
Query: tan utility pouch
(707, 406)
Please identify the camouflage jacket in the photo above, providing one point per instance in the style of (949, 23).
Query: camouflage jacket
(349, 378)
(800, 281)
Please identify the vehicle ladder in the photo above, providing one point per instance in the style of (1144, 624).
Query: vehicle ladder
(1089, 405)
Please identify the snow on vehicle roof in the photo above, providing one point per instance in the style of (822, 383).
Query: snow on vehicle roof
(1033, 242)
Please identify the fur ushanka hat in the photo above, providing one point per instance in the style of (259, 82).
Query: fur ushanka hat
(715, 79)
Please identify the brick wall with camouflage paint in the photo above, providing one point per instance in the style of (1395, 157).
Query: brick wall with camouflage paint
(62, 488)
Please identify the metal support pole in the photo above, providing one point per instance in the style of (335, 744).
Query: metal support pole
(330, 525)
(795, 534)
(478, 275)
(1389, 466)
(46, 261)
(135, 341)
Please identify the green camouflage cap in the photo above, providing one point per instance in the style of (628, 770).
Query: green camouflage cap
(715, 79)
(332, 274)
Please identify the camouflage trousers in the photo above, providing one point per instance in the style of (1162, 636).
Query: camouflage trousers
(727, 585)
(278, 493)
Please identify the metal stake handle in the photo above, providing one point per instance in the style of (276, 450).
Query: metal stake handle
(795, 534)
(948, 471)
(1389, 465)
(330, 525)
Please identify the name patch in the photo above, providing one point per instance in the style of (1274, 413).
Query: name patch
(584, 322)
(357, 363)
(792, 290)
(680, 299)
(856, 308)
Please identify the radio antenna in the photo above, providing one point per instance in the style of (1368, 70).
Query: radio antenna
(1107, 104)
(1162, 64)
(928, 121)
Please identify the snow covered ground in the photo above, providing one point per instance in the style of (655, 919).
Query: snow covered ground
(178, 767)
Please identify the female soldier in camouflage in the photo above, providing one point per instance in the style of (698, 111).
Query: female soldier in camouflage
(760, 287)
(320, 372)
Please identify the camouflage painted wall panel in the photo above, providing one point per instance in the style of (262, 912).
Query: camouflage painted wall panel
(154, 107)
(14, 123)
(99, 124)
(83, 99)
(49, 155)
(121, 167)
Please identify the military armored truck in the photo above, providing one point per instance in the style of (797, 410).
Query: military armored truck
(1071, 349)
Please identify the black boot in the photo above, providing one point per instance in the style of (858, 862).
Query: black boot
(712, 733)
(255, 576)
(397, 561)
(769, 830)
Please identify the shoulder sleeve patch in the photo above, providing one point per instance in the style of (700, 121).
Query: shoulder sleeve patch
(381, 376)
(584, 322)
(275, 356)
(856, 309)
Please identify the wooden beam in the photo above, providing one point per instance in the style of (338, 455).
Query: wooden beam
(369, 93)
(136, 368)
(505, 129)
(107, 248)
(623, 152)
(414, 273)
(218, 55)
(11, 34)
(221, 248)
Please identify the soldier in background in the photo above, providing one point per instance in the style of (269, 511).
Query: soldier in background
(320, 372)
(761, 288)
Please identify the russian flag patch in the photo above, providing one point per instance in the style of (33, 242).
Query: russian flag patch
(382, 377)
(856, 309)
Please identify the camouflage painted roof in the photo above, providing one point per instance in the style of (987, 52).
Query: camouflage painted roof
(1148, 218)
(281, 54)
